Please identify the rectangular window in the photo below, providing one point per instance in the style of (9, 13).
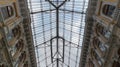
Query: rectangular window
(7, 11)
(108, 10)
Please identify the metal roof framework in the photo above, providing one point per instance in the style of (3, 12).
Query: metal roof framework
(58, 29)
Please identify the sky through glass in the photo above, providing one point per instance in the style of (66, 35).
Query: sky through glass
(58, 35)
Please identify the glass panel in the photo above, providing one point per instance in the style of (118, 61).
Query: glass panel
(71, 23)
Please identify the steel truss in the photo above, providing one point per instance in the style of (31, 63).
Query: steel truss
(58, 45)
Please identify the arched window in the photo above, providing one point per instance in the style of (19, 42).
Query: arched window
(10, 10)
(97, 58)
(99, 46)
(108, 10)
(16, 31)
(22, 57)
(102, 47)
(95, 42)
(7, 11)
(20, 45)
(101, 30)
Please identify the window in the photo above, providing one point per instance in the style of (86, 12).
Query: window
(19, 45)
(97, 58)
(102, 47)
(108, 10)
(16, 31)
(22, 56)
(107, 33)
(97, 43)
(65, 36)
(13, 51)
(99, 29)
(7, 11)
(9, 35)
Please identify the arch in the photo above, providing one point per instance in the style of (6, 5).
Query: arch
(95, 42)
(97, 58)
(22, 57)
(100, 28)
(20, 45)
(108, 10)
(98, 43)
(16, 31)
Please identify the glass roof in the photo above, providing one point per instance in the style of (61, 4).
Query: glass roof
(58, 29)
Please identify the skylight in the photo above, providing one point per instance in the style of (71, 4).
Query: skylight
(57, 28)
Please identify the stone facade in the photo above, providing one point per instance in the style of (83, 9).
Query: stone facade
(104, 45)
(14, 50)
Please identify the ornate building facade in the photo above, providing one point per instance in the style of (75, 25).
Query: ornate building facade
(104, 43)
(101, 43)
(14, 51)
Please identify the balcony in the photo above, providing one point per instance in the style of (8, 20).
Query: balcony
(22, 59)
(101, 48)
(18, 48)
(94, 58)
(102, 33)
(14, 35)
